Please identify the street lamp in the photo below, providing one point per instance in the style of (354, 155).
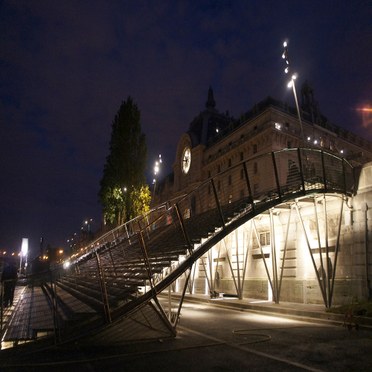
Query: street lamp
(156, 170)
(24, 253)
(88, 223)
(291, 84)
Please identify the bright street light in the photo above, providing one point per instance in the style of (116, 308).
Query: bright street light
(157, 170)
(291, 84)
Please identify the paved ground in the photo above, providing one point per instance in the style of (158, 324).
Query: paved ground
(215, 338)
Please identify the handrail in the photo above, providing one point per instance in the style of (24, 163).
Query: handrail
(287, 174)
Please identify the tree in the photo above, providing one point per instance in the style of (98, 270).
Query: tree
(123, 193)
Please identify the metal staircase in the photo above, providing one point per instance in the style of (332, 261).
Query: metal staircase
(114, 288)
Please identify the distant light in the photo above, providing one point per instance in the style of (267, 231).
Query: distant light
(290, 84)
(294, 77)
(217, 130)
(342, 151)
(66, 264)
(24, 248)
(309, 138)
(286, 70)
(285, 44)
(315, 142)
(278, 126)
(365, 109)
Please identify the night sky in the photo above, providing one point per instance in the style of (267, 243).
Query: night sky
(66, 66)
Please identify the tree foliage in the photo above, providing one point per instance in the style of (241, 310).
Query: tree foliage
(123, 193)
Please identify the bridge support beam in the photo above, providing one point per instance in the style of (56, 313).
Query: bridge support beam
(326, 271)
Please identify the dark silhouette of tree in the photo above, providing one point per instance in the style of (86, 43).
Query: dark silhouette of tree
(123, 192)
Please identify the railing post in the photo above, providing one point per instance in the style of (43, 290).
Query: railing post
(248, 184)
(105, 301)
(182, 224)
(276, 176)
(146, 258)
(324, 172)
(344, 175)
(217, 202)
(301, 169)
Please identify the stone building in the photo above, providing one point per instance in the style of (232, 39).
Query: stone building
(313, 249)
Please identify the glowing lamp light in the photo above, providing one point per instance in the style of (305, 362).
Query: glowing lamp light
(156, 168)
(24, 248)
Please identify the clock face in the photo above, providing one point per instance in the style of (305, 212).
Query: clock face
(186, 160)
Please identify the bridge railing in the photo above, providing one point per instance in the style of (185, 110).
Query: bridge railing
(130, 264)
(270, 177)
(249, 188)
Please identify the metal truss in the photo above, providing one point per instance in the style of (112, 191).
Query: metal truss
(129, 269)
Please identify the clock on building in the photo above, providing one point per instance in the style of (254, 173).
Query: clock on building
(186, 160)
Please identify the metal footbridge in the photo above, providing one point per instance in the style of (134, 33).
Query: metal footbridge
(121, 285)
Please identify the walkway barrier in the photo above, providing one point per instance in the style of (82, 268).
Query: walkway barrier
(113, 284)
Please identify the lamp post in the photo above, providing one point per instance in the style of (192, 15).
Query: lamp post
(156, 170)
(291, 84)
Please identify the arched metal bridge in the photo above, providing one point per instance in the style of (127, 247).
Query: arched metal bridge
(113, 286)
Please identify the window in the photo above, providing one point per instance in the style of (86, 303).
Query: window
(254, 149)
(229, 162)
(230, 180)
(241, 156)
(265, 238)
(241, 174)
(255, 168)
(218, 168)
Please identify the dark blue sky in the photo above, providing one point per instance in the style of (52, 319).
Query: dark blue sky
(65, 67)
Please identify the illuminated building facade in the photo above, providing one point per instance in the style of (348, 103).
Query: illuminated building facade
(315, 249)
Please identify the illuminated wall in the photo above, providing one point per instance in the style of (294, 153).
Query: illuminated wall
(326, 235)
